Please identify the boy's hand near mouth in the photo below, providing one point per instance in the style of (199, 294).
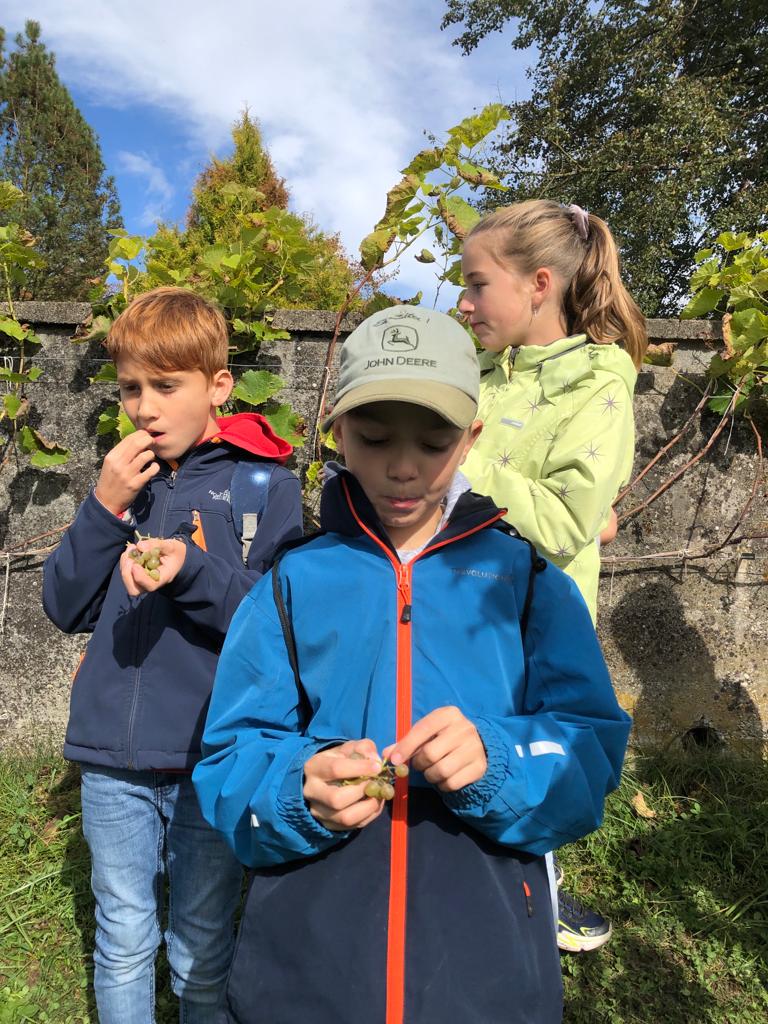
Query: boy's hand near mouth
(125, 471)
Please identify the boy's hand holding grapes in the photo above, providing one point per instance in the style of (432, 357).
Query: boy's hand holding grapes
(336, 806)
(150, 564)
(445, 746)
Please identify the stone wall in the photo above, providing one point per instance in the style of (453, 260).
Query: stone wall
(685, 640)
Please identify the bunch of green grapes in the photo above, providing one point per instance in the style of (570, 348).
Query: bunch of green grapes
(381, 786)
(149, 560)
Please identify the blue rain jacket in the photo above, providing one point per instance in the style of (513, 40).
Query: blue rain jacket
(552, 729)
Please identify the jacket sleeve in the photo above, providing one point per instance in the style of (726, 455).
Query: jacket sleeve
(209, 588)
(566, 506)
(251, 779)
(76, 575)
(550, 767)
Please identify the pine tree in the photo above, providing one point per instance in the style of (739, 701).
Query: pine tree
(53, 156)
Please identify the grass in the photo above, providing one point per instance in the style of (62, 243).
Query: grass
(687, 890)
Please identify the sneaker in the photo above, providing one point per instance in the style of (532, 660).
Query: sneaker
(558, 874)
(579, 930)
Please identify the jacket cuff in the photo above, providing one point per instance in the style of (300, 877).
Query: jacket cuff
(291, 805)
(98, 514)
(477, 795)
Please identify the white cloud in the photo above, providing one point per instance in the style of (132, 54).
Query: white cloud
(343, 89)
(159, 190)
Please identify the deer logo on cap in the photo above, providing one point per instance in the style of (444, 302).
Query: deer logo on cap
(400, 339)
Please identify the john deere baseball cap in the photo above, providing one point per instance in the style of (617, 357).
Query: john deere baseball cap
(409, 354)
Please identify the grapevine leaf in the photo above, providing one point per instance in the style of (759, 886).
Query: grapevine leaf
(34, 373)
(374, 246)
(12, 328)
(98, 330)
(107, 375)
(474, 129)
(9, 195)
(425, 256)
(701, 303)
(458, 215)
(43, 453)
(107, 422)
(424, 162)
(732, 242)
(257, 386)
(399, 197)
(748, 327)
(286, 424)
(11, 403)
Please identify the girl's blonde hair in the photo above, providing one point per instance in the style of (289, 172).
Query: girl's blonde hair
(541, 233)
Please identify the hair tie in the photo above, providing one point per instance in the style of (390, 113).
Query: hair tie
(580, 220)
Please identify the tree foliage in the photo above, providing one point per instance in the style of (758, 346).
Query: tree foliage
(301, 265)
(52, 155)
(652, 115)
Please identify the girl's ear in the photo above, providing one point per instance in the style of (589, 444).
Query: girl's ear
(338, 434)
(543, 285)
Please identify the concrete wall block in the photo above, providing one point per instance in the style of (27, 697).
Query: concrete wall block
(685, 641)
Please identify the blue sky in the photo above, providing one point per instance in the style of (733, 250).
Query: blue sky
(344, 91)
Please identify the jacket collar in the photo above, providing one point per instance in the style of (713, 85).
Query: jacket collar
(344, 502)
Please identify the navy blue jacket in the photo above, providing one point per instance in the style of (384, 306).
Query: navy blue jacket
(140, 695)
(379, 645)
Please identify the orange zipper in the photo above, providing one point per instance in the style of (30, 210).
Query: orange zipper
(398, 851)
(198, 537)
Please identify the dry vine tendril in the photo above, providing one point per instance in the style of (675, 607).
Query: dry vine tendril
(148, 560)
(381, 786)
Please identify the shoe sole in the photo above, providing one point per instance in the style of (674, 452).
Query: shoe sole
(569, 943)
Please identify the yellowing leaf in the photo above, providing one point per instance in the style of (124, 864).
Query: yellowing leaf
(641, 808)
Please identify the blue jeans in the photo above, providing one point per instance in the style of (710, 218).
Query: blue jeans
(139, 827)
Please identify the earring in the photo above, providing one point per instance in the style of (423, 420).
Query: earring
(534, 311)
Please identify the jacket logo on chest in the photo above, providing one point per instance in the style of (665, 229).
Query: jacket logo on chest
(221, 495)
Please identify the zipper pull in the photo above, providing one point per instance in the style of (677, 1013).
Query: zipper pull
(405, 618)
(528, 901)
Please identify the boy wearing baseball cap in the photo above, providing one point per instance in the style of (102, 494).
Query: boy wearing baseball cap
(415, 631)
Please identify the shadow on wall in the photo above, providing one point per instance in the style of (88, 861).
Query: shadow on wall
(30, 487)
(681, 698)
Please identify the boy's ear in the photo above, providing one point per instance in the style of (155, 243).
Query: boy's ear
(221, 387)
(338, 434)
(474, 431)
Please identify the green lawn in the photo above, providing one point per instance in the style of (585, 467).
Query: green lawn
(687, 890)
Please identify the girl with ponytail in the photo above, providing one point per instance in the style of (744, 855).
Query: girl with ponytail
(563, 342)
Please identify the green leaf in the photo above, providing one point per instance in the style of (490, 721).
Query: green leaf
(702, 254)
(107, 421)
(126, 247)
(99, 329)
(399, 197)
(9, 195)
(704, 302)
(425, 256)
(107, 375)
(43, 453)
(731, 242)
(424, 162)
(458, 216)
(474, 129)
(257, 386)
(34, 373)
(286, 424)
(12, 328)
(11, 404)
(748, 327)
(374, 246)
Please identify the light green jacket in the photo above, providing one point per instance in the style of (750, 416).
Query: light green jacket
(557, 445)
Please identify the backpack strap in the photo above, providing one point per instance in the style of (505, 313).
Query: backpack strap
(538, 564)
(305, 708)
(249, 494)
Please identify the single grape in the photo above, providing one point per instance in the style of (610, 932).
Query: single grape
(401, 770)
(154, 574)
(154, 553)
(152, 563)
(387, 790)
(373, 789)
